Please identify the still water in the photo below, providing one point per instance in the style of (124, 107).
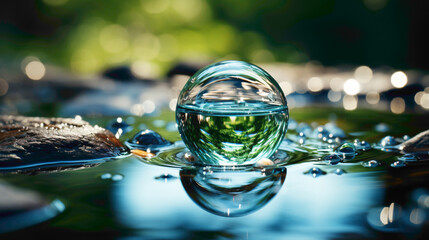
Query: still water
(323, 185)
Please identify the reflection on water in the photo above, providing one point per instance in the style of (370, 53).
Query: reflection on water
(229, 192)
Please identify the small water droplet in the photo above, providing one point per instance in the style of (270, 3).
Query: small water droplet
(316, 172)
(388, 144)
(398, 164)
(361, 145)
(408, 158)
(117, 177)
(148, 139)
(371, 163)
(347, 151)
(165, 177)
(339, 171)
(332, 159)
(106, 176)
(406, 137)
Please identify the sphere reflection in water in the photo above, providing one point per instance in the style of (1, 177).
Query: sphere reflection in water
(232, 193)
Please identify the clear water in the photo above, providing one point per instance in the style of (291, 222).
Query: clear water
(228, 138)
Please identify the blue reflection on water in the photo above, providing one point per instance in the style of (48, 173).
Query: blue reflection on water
(325, 206)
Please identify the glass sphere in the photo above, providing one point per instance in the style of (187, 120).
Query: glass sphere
(232, 113)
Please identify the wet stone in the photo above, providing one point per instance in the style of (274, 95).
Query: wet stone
(36, 141)
(417, 144)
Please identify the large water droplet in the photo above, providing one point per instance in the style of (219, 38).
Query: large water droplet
(232, 113)
(347, 151)
(147, 139)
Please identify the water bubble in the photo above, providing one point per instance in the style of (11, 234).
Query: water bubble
(117, 177)
(361, 145)
(332, 159)
(339, 171)
(119, 127)
(371, 163)
(147, 140)
(232, 113)
(347, 151)
(398, 164)
(315, 172)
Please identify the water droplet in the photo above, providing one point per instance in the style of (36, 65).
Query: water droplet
(339, 171)
(106, 176)
(332, 159)
(362, 145)
(279, 157)
(371, 163)
(315, 172)
(165, 177)
(347, 151)
(406, 137)
(119, 127)
(388, 144)
(235, 114)
(147, 139)
(398, 164)
(117, 177)
(408, 158)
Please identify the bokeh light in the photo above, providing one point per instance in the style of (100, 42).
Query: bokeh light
(350, 102)
(351, 87)
(315, 84)
(397, 105)
(399, 79)
(372, 97)
(363, 74)
(4, 87)
(35, 70)
(334, 96)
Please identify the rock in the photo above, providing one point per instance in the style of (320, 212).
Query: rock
(28, 142)
(417, 144)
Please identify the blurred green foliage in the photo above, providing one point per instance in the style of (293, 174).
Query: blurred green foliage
(88, 36)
